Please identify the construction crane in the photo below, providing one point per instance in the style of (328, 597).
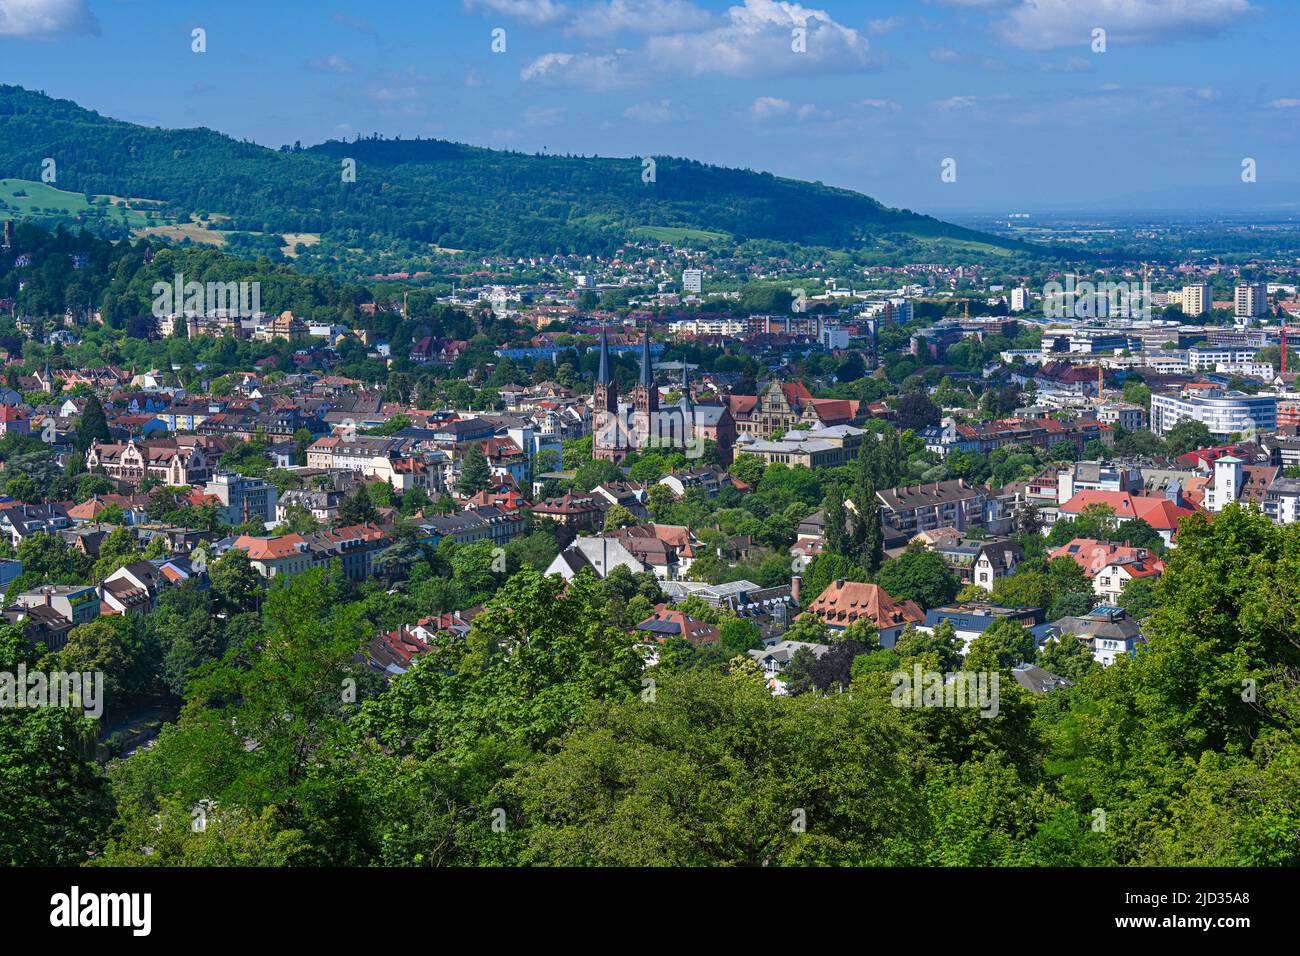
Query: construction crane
(1285, 330)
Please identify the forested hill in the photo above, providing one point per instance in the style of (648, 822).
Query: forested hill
(433, 191)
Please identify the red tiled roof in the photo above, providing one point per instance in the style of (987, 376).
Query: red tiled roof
(1161, 513)
(844, 602)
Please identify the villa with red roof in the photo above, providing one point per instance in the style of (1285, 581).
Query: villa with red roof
(845, 602)
(12, 420)
(1161, 513)
(1109, 565)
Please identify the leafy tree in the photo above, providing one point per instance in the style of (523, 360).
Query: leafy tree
(919, 575)
(1139, 597)
(357, 508)
(235, 582)
(740, 635)
(942, 642)
(54, 800)
(92, 426)
(1004, 644)
(1188, 435)
(475, 476)
(835, 667)
(1067, 657)
(916, 411)
(618, 517)
(835, 522)
(601, 798)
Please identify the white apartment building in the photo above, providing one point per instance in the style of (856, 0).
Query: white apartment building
(1212, 357)
(1250, 300)
(1020, 300)
(241, 499)
(692, 280)
(707, 327)
(1224, 413)
(834, 338)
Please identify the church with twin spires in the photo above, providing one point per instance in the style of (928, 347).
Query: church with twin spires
(619, 428)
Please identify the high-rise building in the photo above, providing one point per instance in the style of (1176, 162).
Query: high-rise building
(1019, 299)
(1250, 300)
(693, 280)
(1197, 299)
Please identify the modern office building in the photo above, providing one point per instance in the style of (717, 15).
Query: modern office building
(1223, 412)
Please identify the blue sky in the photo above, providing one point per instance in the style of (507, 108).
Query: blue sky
(882, 93)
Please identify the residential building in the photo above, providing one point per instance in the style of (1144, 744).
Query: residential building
(819, 447)
(972, 618)
(667, 623)
(1161, 513)
(240, 499)
(165, 460)
(846, 602)
(1108, 632)
(1197, 299)
(943, 504)
(283, 556)
(1126, 415)
(1250, 300)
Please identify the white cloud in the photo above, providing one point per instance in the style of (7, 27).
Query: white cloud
(1048, 24)
(942, 55)
(535, 12)
(957, 103)
(598, 72)
(1284, 104)
(46, 18)
(330, 64)
(811, 111)
(767, 107)
(878, 28)
(638, 16)
(875, 104)
(750, 40)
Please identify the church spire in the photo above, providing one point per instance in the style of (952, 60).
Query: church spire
(647, 368)
(686, 388)
(602, 374)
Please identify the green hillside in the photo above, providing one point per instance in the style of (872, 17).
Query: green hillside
(25, 198)
(431, 191)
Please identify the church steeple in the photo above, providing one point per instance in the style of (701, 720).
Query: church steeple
(647, 368)
(686, 388)
(602, 374)
(604, 408)
(645, 397)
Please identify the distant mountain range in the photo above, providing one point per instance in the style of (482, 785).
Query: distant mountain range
(432, 191)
